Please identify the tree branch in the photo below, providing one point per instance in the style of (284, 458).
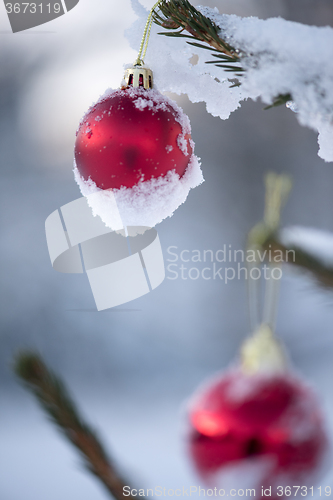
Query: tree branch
(55, 400)
(320, 271)
(182, 16)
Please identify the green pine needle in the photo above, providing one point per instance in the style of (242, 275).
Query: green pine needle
(280, 100)
(180, 15)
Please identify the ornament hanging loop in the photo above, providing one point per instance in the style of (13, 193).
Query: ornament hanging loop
(277, 190)
(139, 75)
(145, 37)
(262, 352)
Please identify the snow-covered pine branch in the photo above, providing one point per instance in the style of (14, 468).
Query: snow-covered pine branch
(311, 250)
(279, 57)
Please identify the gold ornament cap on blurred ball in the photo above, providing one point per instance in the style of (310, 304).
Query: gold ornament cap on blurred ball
(263, 353)
(138, 76)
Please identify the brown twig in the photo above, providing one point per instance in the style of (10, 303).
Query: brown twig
(54, 398)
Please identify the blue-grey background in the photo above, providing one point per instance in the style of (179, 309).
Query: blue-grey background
(131, 369)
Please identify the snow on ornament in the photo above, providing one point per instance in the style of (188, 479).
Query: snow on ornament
(134, 146)
(257, 425)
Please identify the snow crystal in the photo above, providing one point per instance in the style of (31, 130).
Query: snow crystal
(145, 204)
(141, 104)
(291, 105)
(182, 144)
(317, 243)
(279, 57)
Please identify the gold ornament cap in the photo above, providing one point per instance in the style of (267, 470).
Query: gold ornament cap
(138, 76)
(263, 353)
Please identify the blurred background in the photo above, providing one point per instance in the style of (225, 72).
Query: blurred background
(132, 368)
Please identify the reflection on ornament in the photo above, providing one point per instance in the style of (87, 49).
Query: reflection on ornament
(132, 134)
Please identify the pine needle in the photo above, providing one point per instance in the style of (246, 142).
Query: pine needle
(181, 15)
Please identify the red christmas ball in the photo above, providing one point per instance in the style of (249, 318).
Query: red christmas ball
(268, 425)
(130, 135)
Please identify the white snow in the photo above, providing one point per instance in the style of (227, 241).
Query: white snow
(279, 57)
(316, 242)
(141, 104)
(145, 204)
(182, 144)
(243, 474)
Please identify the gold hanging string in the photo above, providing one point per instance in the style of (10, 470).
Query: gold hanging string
(145, 37)
(262, 351)
(253, 294)
(277, 190)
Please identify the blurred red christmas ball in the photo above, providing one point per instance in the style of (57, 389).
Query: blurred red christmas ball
(267, 426)
(132, 134)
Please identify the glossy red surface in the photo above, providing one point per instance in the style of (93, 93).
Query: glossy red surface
(118, 144)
